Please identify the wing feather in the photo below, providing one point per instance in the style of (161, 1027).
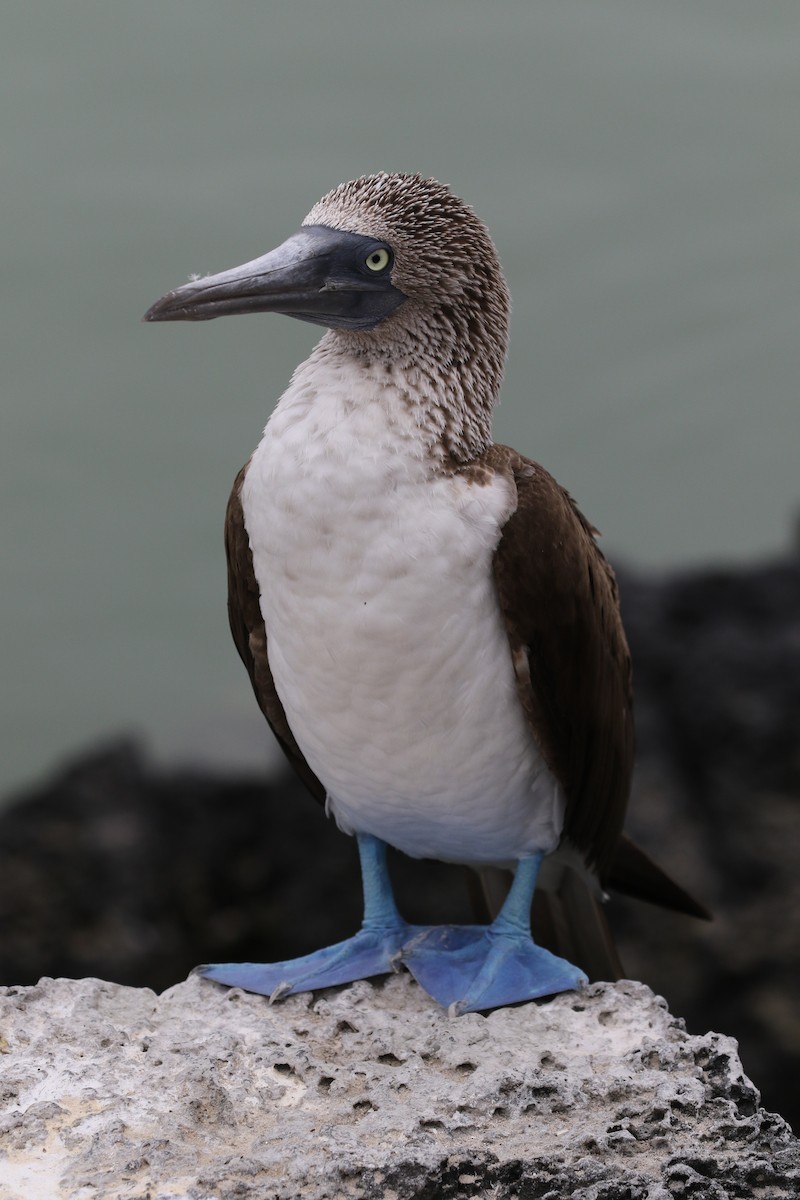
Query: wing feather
(250, 635)
(558, 596)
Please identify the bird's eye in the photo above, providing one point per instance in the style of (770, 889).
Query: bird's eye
(378, 260)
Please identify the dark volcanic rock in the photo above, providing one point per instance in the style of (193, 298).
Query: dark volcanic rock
(116, 870)
(717, 800)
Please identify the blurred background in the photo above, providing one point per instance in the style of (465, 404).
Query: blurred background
(639, 167)
(638, 164)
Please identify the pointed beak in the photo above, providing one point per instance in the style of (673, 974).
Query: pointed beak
(317, 275)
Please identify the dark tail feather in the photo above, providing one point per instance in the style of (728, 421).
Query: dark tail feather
(572, 923)
(634, 873)
(568, 917)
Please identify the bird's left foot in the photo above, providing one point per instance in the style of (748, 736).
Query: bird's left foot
(470, 968)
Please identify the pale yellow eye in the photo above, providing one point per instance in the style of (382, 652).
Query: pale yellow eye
(378, 260)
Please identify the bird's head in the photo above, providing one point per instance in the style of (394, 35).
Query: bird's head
(394, 264)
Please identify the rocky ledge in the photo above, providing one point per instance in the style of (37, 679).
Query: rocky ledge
(110, 1093)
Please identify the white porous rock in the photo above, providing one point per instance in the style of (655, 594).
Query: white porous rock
(372, 1091)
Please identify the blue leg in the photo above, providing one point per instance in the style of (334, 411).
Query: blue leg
(470, 968)
(374, 950)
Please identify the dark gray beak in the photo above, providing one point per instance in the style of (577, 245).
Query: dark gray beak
(319, 275)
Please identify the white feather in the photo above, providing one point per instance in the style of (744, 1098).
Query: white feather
(385, 639)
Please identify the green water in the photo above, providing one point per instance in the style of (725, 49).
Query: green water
(638, 162)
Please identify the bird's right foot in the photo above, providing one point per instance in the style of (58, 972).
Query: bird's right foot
(374, 950)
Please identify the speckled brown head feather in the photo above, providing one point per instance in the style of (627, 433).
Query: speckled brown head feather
(449, 339)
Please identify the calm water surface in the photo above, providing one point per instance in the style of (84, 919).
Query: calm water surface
(639, 166)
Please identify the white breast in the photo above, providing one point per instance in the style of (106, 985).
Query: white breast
(385, 640)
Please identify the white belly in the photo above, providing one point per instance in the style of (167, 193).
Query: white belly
(385, 640)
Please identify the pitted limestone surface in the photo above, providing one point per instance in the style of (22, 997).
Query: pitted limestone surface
(372, 1091)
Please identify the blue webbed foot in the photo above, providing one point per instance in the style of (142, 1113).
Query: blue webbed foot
(471, 968)
(475, 967)
(372, 951)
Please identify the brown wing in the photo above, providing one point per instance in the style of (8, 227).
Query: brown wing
(250, 636)
(559, 599)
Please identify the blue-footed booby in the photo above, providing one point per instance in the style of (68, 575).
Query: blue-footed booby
(428, 624)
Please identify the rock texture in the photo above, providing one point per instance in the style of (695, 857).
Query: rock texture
(111, 1093)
